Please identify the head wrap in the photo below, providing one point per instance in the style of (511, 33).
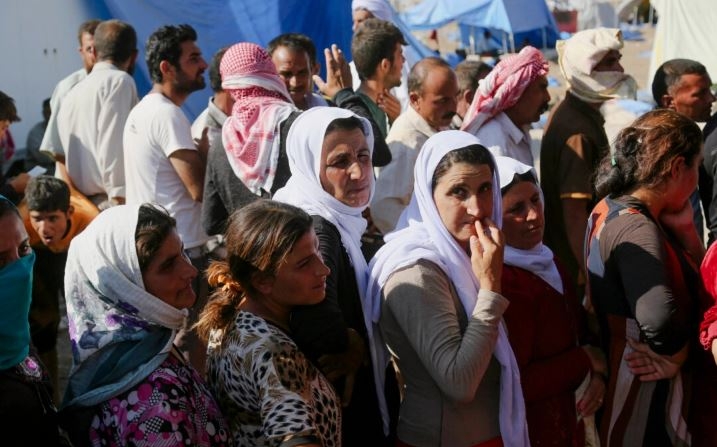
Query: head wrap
(16, 280)
(304, 190)
(261, 102)
(538, 260)
(579, 55)
(379, 8)
(504, 86)
(425, 237)
(119, 332)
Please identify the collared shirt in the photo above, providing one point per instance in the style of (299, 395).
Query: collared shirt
(51, 137)
(213, 119)
(502, 137)
(91, 121)
(394, 185)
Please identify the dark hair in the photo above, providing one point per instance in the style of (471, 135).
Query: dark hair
(644, 152)
(153, 226)
(349, 123)
(165, 44)
(518, 178)
(294, 42)
(373, 41)
(46, 193)
(215, 77)
(88, 27)
(7, 208)
(7, 108)
(468, 73)
(259, 236)
(668, 76)
(419, 72)
(475, 154)
(115, 41)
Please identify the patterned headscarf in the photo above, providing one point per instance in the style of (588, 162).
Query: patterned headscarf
(579, 55)
(261, 103)
(504, 86)
(119, 332)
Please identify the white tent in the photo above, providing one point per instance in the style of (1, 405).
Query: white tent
(597, 13)
(684, 30)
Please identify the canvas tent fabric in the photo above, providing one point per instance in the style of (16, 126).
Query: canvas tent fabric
(684, 30)
(519, 18)
(224, 22)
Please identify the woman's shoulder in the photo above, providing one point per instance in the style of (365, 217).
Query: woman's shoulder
(419, 278)
(323, 227)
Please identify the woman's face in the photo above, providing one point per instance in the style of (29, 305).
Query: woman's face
(523, 219)
(345, 171)
(684, 181)
(464, 194)
(301, 279)
(169, 274)
(14, 241)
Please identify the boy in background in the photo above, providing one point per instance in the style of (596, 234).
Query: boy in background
(52, 217)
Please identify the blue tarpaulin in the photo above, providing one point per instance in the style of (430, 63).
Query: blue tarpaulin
(519, 19)
(224, 22)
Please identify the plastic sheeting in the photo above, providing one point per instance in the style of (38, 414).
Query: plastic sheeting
(224, 22)
(522, 19)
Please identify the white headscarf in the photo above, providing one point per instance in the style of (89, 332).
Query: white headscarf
(538, 260)
(579, 55)
(304, 146)
(379, 8)
(110, 313)
(425, 237)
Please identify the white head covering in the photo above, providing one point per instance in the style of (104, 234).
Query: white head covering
(304, 150)
(110, 314)
(379, 8)
(538, 260)
(425, 237)
(579, 55)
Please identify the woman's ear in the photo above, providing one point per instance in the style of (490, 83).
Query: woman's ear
(262, 283)
(677, 166)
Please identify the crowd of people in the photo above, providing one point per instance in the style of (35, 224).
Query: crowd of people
(315, 262)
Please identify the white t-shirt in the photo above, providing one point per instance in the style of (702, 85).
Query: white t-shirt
(155, 129)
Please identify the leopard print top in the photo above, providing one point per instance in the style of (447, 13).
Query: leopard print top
(268, 391)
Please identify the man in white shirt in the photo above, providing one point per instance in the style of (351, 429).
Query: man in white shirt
(512, 96)
(51, 138)
(432, 89)
(91, 119)
(163, 164)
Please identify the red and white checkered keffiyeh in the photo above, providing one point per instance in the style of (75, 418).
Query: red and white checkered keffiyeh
(503, 86)
(250, 134)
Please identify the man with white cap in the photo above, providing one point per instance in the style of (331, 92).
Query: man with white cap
(513, 95)
(575, 140)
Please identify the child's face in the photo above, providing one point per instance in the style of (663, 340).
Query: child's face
(51, 226)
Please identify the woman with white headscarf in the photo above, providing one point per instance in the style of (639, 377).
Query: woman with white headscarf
(544, 319)
(437, 285)
(128, 286)
(329, 151)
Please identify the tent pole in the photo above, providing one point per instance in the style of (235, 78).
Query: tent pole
(512, 42)
(545, 38)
